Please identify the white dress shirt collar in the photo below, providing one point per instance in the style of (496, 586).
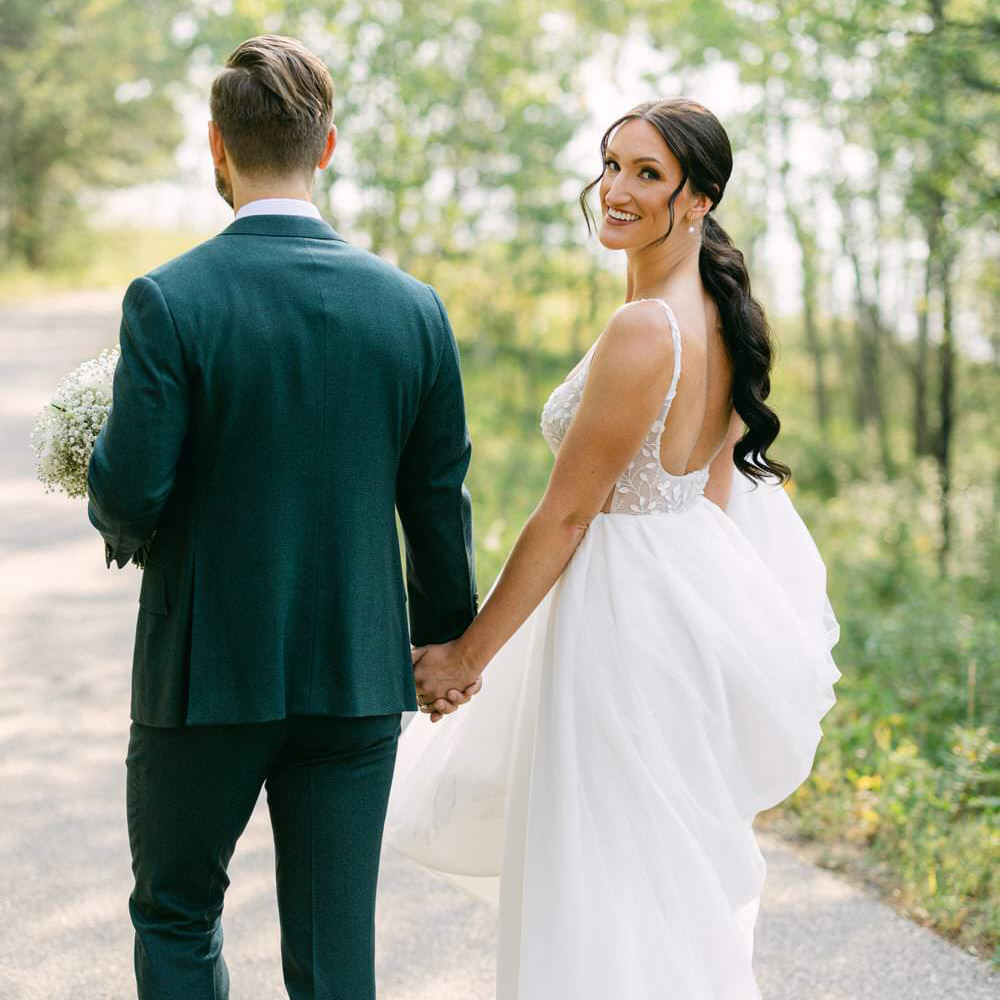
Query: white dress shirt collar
(279, 206)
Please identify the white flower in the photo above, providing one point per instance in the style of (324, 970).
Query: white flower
(67, 428)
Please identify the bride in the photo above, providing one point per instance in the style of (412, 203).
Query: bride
(657, 647)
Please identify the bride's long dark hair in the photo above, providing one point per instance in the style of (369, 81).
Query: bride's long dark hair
(696, 137)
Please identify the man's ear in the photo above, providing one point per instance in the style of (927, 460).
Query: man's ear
(328, 148)
(216, 144)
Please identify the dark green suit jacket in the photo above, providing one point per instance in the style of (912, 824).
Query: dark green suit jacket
(280, 395)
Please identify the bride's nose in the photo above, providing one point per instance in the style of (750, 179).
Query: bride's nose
(616, 195)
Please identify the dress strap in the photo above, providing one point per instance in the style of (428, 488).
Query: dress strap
(675, 332)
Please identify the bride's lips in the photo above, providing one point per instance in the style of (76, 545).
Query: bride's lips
(617, 222)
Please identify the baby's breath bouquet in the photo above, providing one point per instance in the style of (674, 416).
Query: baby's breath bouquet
(67, 428)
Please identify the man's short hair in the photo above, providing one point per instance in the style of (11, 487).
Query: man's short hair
(273, 104)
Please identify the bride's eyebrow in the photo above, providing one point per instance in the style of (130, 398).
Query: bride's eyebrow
(637, 159)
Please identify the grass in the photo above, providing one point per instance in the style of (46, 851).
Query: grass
(104, 258)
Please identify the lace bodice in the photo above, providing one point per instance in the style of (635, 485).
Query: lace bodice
(645, 487)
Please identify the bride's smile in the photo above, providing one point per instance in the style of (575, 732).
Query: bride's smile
(632, 167)
(617, 216)
(636, 188)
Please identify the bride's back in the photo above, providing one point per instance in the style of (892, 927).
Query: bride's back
(698, 421)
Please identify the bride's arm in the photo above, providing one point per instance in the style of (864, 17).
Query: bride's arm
(720, 472)
(625, 388)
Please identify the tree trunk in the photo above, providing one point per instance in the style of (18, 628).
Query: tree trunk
(806, 239)
(946, 403)
(870, 362)
(922, 444)
(921, 429)
(840, 345)
(854, 359)
(817, 349)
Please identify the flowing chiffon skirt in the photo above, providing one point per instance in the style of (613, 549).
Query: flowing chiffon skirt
(601, 788)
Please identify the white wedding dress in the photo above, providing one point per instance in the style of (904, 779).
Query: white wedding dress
(602, 786)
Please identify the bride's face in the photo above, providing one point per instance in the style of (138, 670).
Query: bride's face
(640, 175)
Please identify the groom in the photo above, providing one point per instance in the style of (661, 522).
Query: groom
(280, 396)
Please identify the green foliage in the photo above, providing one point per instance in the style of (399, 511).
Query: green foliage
(81, 81)
(910, 763)
(930, 824)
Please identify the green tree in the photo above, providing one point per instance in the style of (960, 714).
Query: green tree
(84, 104)
(955, 185)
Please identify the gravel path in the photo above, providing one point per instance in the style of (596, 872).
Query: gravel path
(66, 626)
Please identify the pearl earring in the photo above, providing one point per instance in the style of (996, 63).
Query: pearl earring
(690, 229)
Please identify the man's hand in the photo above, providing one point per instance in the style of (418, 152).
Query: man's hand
(444, 680)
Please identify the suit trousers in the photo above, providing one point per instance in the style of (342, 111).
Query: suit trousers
(190, 793)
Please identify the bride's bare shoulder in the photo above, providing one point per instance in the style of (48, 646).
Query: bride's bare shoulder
(637, 334)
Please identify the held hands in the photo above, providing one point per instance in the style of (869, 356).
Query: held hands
(444, 680)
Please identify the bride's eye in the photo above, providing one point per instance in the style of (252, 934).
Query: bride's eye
(653, 175)
(609, 164)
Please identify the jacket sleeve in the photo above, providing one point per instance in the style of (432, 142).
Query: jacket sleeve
(435, 508)
(133, 466)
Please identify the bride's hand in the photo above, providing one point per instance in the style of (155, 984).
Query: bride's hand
(444, 680)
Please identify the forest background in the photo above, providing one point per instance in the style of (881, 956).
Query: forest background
(864, 197)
